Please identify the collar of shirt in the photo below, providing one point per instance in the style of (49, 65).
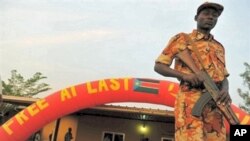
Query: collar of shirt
(199, 36)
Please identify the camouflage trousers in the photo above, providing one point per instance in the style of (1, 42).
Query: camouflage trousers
(208, 127)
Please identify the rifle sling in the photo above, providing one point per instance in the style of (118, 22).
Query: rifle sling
(197, 53)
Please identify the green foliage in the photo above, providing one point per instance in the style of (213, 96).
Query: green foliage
(245, 94)
(18, 86)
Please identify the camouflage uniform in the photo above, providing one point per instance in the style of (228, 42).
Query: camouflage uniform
(210, 126)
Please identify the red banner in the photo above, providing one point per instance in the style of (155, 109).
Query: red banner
(91, 94)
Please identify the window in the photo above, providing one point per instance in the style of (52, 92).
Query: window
(113, 136)
(167, 139)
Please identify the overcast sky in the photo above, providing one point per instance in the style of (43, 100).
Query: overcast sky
(76, 41)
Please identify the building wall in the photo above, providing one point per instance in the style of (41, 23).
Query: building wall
(47, 131)
(91, 128)
(65, 123)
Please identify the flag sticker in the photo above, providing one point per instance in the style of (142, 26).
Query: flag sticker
(147, 85)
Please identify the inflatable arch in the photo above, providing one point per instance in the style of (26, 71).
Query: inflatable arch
(91, 94)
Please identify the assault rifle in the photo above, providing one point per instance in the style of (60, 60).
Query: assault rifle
(212, 91)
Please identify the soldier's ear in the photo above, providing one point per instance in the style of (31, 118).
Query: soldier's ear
(195, 17)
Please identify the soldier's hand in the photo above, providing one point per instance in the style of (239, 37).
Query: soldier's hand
(224, 98)
(193, 79)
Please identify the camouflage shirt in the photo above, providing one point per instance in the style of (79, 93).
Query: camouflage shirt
(211, 51)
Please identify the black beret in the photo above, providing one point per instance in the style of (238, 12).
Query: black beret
(216, 6)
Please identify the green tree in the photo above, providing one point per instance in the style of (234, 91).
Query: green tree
(17, 85)
(245, 94)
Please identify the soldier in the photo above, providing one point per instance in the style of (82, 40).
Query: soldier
(210, 126)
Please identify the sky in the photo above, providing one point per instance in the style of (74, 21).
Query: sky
(77, 41)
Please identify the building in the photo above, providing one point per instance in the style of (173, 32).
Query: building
(106, 123)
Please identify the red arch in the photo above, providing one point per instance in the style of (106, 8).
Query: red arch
(91, 94)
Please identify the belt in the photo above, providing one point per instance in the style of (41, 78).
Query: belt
(185, 86)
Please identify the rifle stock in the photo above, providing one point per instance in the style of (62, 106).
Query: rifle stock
(212, 89)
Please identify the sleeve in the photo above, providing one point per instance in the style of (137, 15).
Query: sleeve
(174, 46)
(226, 73)
(220, 53)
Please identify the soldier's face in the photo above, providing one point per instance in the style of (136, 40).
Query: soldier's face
(207, 18)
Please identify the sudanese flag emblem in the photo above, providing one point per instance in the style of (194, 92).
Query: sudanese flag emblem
(146, 85)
